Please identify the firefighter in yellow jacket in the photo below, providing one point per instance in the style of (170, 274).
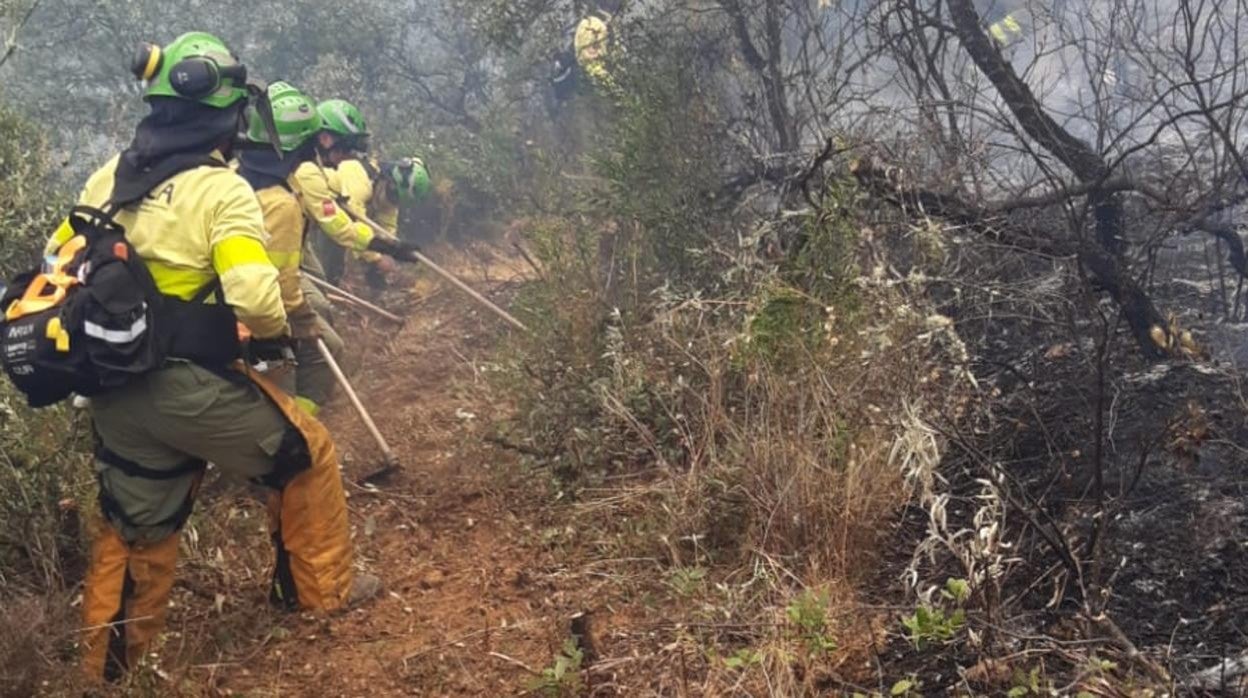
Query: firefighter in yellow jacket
(592, 42)
(296, 121)
(321, 197)
(343, 133)
(379, 189)
(199, 230)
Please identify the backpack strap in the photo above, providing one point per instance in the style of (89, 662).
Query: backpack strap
(211, 288)
(99, 217)
(109, 457)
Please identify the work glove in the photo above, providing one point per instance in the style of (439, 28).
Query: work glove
(269, 354)
(398, 249)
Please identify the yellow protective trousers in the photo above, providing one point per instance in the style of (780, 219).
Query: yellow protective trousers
(127, 595)
(155, 435)
(308, 518)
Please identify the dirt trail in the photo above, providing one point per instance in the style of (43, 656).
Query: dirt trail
(467, 603)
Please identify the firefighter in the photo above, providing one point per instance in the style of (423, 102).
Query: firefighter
(592, 42)
(343, 134)
(296, 123)
(378, 190)
(199, 229)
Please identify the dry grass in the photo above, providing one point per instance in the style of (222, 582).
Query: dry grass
(766, 456)
(39, 635)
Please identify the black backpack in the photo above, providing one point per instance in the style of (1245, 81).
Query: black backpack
(94, 319)
(86, 323)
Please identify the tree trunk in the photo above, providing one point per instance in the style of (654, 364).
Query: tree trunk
(1104, 257)
(769, 69)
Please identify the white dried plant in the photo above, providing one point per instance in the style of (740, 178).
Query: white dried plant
(975, 541)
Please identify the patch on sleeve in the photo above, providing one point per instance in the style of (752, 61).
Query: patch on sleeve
(328, 208)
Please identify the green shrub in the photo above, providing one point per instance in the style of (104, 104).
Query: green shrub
(30, 207)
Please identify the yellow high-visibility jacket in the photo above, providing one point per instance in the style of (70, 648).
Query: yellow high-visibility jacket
(366, 195)
(318, 189)
(1006, 29)
(199, 224)
(283, 219)
(357, 186)
(590, 44)
(363, 198)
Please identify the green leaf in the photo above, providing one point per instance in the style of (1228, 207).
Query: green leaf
(924, 615)
(902, 687)
(957, 620)
(958, 589)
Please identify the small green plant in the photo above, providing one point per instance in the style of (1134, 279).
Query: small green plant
(934, 624)
(908, 687)
(563, 676)
(1029, 683)
(808, 612)
(744, 658)
(956, 590)
(1100, 666)
(931, 625)
(686, 580)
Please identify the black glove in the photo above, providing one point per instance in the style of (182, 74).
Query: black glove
(398, 249)
(277, 350)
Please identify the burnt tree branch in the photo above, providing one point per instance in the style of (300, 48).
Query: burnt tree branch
(1103, 260)
(769, 68)
(1110, 275)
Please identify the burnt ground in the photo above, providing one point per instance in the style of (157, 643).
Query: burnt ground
(1181, 537)
(1175, 552)
(1174, 555)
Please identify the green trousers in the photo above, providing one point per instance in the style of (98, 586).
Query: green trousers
(332, 259)
(312, 382)
(155, 436)
(162, 420)
(314, 297)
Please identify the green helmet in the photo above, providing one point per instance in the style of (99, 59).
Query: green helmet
(196, 66)
(281, 88)
(342, 119)
(294, 116)
(410, 178)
